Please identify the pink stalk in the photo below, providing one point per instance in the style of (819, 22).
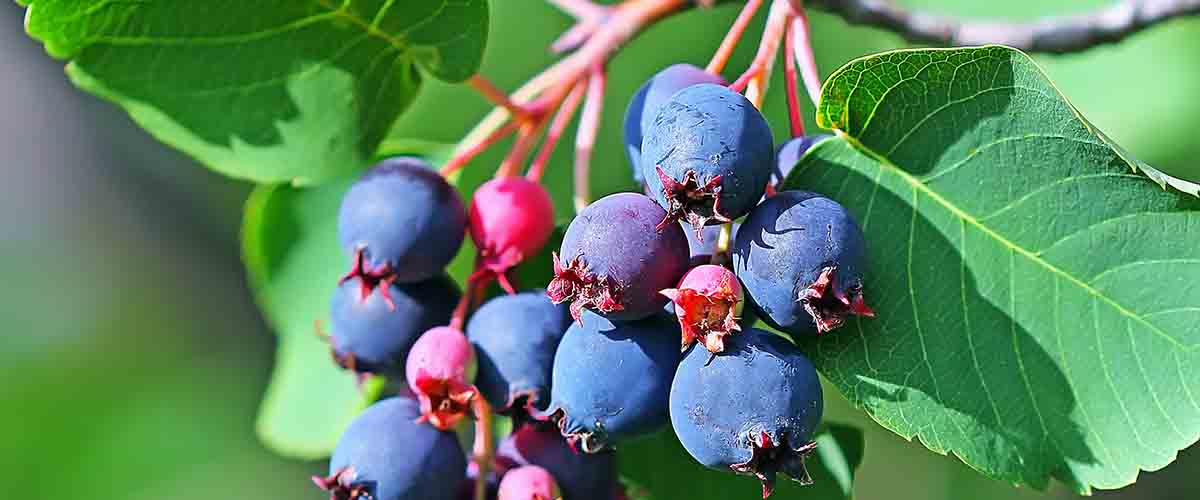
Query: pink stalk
(721, 56)
(585, 138)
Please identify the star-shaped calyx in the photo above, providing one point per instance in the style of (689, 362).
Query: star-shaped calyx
(583, 288)
(690, 200)
(444, 402)
(370, 278)
(768, 458)
(828, 304)
(706, 303)
(341, 486)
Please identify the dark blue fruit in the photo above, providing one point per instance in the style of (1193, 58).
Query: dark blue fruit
(614, 261)
(800, 257)
(708, 156)
(515, 337)
(639, 116)
(612, 380)
(581, 476)
(790, 152)
(402, 221)
(385, 455)
(373, 333)
(751, 409)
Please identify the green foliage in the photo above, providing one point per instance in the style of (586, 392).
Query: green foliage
(271, 91)
(1036, 294)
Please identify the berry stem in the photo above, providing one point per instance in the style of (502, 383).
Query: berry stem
(803, 52)
(496, 96)
(736, 30)
(557, 126)
(465, 156)
(777, 23)
(483, 443)
(585, 138)
(789, 79)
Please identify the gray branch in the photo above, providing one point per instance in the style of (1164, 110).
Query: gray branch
(1055, 34)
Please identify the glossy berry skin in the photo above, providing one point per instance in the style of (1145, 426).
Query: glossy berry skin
(439, 371)
(706, 304)
(790, 152)
(581, 476)
(614, 261)
(643, 106)
(800, 258)
(612, 380)
(510, 219)
(708, 156)
(515, 337)
(751, 409)
(404, 219)
(374, 333)
(386, 455)
(528, 482)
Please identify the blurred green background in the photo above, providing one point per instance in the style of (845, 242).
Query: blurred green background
(135, 358)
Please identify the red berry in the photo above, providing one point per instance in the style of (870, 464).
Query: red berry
(437, 371)
(510, 219)
(706, 303)
(528, 482)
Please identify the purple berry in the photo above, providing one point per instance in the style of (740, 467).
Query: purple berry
(372, 332)
(401, 221)
(800, 258)
(643, 106)
(386, 455)
(706, 303)
(438, 371)
(581, 476)
(612, 380)
(708, 156)
(528, 482)
(790, 152)
(613, 260)
(515, 337)
(751, 409)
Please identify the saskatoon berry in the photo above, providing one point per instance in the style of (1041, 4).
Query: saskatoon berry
(708, 156)
(515, 337)
(373, 332)
(386, 455)
(790, 152)
(706, 303)
(614, 261)
(800, 258)
(612, 380)
(510, 219)
(751, 409)
(643, 106)
(438, 371)
(528, 482)
(581, 476)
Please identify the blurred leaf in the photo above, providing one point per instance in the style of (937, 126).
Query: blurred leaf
(1011, 245)
(662, 468)
(273, 91)
(290, 248)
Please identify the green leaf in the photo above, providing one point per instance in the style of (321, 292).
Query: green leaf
(660, 468)
(289, 245)
(271, 91)
(1036, 295)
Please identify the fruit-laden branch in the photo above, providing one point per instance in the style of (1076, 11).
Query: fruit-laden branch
(1053, 34)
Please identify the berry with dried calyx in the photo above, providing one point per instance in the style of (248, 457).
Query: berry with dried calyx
(515, 337)
(706, 303)
(439, 370)
(510, 219)
(643, 106)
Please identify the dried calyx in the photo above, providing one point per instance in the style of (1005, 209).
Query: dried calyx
(768, 458)
(583, 289)
(829, 304)
(692, 201)
(341, 486)
(370, 278)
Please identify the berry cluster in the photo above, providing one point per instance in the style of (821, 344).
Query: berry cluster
(591, 360)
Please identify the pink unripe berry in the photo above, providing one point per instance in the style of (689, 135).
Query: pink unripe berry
(438, 370)
(528, 482)
(511, 218)
(706, 303)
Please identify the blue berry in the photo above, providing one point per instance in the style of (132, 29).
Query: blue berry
(385, 455)
(614, 261)
(515, 337)
(612, 380)
(708, 156)
(800, 258)
(751, 409)
(402, 221)
(790, 152)
(581, 476)
(373, 330)
(643, 106)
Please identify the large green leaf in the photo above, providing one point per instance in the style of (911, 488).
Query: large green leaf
(1037, 295)
(271, 91)
(661, 469)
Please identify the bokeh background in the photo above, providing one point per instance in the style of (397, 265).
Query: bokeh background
(134, 358)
